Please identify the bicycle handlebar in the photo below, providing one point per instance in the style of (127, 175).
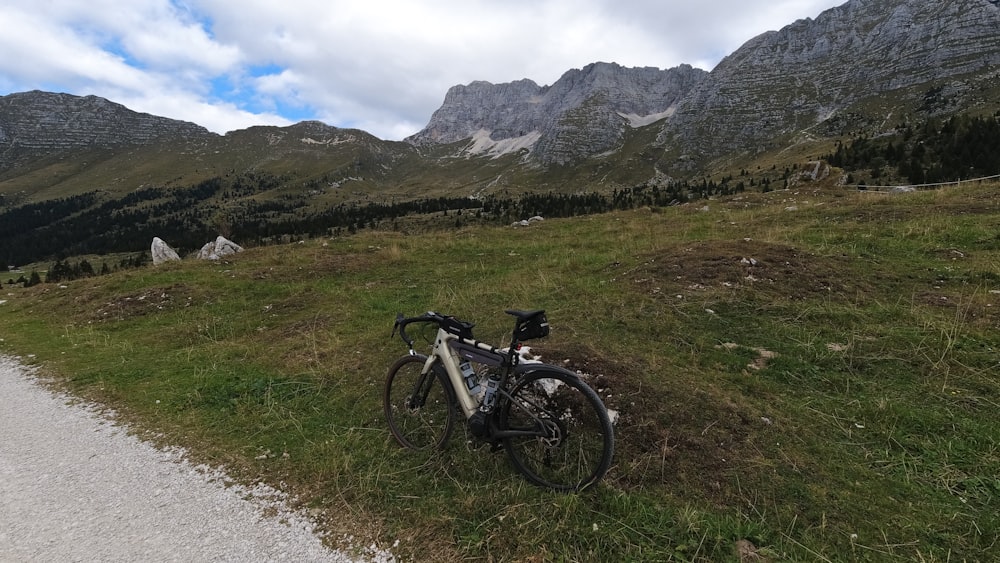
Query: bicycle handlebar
(464, 330)
(401, 322)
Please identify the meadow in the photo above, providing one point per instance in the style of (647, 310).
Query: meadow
(808, 375)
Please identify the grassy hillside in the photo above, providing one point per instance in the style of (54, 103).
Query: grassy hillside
(333, 165)
(801, 375)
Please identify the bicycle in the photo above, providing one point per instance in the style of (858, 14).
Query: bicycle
(553, 426)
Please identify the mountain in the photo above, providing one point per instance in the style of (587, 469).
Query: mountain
(42, 122)
(865, 83)
(585, 113)
(865, 63)
(53, 145)
(861, 68)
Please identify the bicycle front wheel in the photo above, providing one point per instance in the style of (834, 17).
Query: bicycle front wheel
(418, 407)
(565, 439)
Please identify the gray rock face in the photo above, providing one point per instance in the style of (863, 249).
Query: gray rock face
(785, 82)
(162, 252)
(778, 85)
(586, 112)
(43, 121)
(509, 110)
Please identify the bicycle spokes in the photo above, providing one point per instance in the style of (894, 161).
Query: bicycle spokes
(421, 389)
(556, 431)
(418, 406)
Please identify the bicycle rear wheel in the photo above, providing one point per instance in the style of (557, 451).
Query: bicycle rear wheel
(419, 408)
(569, 440)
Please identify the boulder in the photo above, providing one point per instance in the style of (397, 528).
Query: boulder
(218, 249)
(527, 222)
(162, 252)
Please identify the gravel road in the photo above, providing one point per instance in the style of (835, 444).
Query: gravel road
(74, 486)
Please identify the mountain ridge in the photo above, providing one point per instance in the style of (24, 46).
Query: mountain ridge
(786, 81)
(582, 114)
(868, 69)
(38, 120)
(805, 80)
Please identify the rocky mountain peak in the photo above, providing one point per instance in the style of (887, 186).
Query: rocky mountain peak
(506, 110)
(584, 113)
(787, 82)
(781, 85)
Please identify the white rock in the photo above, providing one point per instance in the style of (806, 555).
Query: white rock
(218, 249)
(162, 252)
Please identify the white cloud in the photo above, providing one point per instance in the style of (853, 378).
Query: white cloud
(381, 65)
(218, 117)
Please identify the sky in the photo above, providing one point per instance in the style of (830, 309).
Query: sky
(383, 66)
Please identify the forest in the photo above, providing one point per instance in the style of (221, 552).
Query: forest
(961, 147)
(96, 224)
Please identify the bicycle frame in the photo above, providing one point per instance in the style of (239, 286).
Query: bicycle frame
(444, 352)
(531, 409)
(449, 350)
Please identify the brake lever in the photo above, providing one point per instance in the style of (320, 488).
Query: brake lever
(399, 318)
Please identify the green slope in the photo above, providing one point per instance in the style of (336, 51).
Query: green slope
(801, 375)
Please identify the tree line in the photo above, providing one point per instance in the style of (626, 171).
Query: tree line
(96, 224)
(64, 270)
(92, 223)
(960, 147)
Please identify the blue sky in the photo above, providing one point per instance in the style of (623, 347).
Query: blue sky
(379, 65)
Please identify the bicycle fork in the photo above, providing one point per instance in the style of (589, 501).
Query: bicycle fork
(422, 388)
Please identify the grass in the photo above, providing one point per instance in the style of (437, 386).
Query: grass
(801, 375)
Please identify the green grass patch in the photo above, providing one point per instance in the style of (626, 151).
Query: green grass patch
(800, 375)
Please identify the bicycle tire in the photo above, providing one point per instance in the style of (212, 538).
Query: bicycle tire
(579, 450)
(428, 424)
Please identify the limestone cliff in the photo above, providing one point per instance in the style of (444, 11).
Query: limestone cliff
(585, 113)
(43, 121)
(810, 79)
(787, 82)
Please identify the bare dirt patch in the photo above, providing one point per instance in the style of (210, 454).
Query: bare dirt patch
(141, 303)
(746, 264)
(689, 439)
